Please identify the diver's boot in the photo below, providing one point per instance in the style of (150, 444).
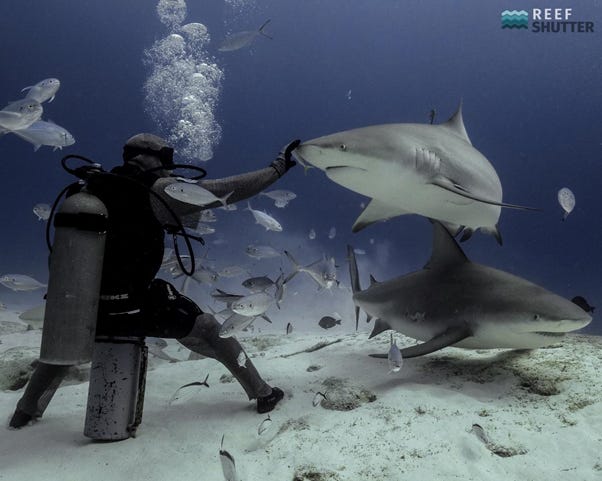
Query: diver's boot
(266, 403)
(204, 339)
(44, 382)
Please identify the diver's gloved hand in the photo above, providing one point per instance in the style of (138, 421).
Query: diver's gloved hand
(284, 161)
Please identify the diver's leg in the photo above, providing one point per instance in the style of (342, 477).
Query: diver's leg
(44, 382)
(204, 339)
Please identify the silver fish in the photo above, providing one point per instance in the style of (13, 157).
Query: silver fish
(281, 198)
(228, 464)
(480, 433)
(20, 282)
(42, 91)
(312, 234)
(394, 357)
(253, 304)
(42, 211)
(258, 284)
(265, 220)
(261, 252)
(45, 133)
(242, 359)
(323, 271)
(20, 114)
(239, 40)
(203, 229)
(208, 215)
(194, 194)
(234, 324)
(175, 397)
(318, 398)
(566, 199)
(205, 275)
(232, 271)
(265, 425)
(332, 233)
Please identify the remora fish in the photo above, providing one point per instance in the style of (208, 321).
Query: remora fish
(193, 194)
(42, 91)
(264, 219)
(431, 170)
(456, 302)
(323, 271)
(19, 115)
(239, 40)
(45, 133)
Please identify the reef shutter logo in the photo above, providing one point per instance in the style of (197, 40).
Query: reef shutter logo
(546, 20)
(515, 19)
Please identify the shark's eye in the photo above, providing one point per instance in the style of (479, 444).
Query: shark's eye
(343, 147)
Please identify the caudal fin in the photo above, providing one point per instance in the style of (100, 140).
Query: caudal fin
(263, 26)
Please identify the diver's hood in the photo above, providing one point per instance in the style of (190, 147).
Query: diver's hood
(143, 148)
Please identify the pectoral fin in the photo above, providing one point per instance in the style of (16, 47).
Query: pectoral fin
(447, 184)
(447, 338)
(376, 211)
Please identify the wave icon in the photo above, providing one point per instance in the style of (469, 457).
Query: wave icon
(515, 19)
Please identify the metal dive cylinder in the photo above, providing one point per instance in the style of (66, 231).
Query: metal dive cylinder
(117, 384)
(74, 280)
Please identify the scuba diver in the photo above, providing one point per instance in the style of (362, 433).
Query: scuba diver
(114, 224)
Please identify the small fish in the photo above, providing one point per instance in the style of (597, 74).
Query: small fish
(205, 275)
(280, 288)
(2, 306)
(155, 347)
(318, 398)
(20, 114)
(175, 397)
(265, 220)
(42, 91)
(239, 40)
(480, 433)
(332, 233)
(566, 199)
(232, 271)
(42, 211)
(234, 324)
(261, 252)
(252, 305)
(394, 357)
(264, 426)
(203, 229)
(258, 284)
(312, 234)
(323, 271)
(432, 114)
(223, 296)
(194, 194)
(360, 252)
(289, 328)
(280, 197)
(20, 282)
(242, 359)
(229, 207)
(327, 322)
(208, 215)
(45, 133)
(349, 94)
(583, 304)
(228, 464)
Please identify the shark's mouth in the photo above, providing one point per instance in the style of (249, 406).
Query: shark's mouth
(550, 334)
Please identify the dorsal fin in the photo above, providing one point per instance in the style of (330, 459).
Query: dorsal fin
(456, 124)
(446, 251)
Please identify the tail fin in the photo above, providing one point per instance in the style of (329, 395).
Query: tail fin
(263, 26)
(355, 280)
(296, 267)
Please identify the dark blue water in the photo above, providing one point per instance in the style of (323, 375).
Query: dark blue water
(532, 106)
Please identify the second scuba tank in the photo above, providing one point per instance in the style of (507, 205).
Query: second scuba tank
(74, 280)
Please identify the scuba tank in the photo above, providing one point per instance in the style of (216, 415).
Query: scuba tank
(74, 281)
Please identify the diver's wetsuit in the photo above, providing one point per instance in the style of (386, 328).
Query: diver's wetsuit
(133, 302)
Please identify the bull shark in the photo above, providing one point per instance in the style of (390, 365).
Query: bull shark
(431, 170)
(455, 302)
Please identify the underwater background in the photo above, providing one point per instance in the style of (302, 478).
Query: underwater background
(531, 105)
